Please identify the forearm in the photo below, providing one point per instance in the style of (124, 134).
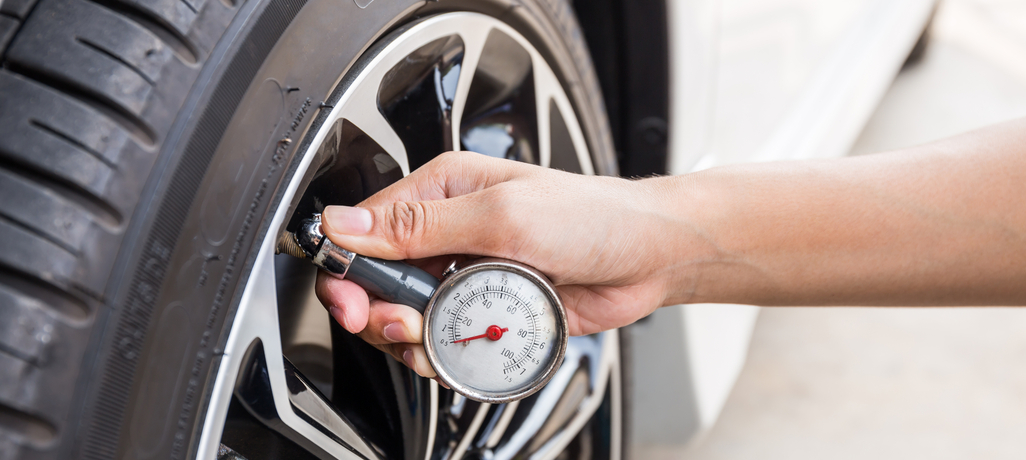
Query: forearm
(942, 224)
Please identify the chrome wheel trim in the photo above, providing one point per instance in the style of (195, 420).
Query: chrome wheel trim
(257, 321)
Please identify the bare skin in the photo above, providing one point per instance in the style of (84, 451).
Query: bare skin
(940, 224)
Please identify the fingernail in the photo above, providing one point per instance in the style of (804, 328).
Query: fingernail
(348, 220)
(395, 332)
(408, 358)
(340, 316)
(440, 382)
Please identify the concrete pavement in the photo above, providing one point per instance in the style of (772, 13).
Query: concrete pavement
(850, 383)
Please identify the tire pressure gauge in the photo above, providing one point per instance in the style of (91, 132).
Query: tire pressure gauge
(494, 331)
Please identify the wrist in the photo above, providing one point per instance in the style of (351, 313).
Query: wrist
(685, 248)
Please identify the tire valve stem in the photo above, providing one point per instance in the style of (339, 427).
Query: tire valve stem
(287, 244)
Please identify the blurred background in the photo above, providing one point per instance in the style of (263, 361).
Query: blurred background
(935, 383)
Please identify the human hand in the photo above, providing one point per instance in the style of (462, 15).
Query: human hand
(600, 240)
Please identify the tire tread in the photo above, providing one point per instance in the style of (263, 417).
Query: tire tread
(89, 89)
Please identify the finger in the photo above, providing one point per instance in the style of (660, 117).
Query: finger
(467, 224)
(345, 301)
(448, 175)
(392, 323)
(416, 359)
(591, 309)
(413, 356)
(419, 216)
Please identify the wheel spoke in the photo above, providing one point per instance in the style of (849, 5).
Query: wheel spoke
(543, 93)
(468, 435)
(549, 94)
(473, 44)
(259, 390)
(499, 117)
(362, 111)
(226, 453)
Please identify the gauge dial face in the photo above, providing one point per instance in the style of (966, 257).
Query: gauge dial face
(494, 332)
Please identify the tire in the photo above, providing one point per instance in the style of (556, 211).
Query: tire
(145, 146)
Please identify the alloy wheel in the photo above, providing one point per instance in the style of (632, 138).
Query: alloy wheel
(446, 82)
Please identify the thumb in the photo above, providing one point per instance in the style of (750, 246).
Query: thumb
(418, 229)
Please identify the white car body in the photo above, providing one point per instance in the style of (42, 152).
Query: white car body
(752, 81)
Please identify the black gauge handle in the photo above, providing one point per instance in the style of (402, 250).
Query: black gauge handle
(391, 280)
(394, 281)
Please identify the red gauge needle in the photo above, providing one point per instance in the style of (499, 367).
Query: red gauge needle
(493, 333)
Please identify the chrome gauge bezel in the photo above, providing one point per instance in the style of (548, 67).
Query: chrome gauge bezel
(562, 330)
